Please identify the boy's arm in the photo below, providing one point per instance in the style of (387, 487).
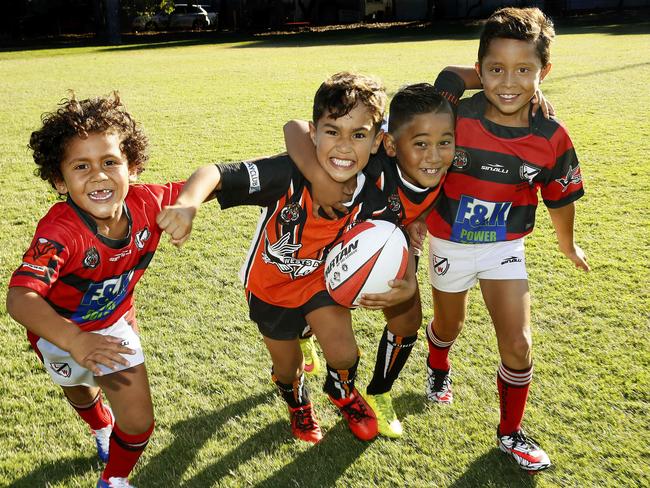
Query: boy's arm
(563, 219)
(30, 310)
(177, 219)
(326, 193)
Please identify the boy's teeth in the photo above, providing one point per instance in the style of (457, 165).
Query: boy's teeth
(100, 194)
(508, 96)
(342, 162)
(430, 171)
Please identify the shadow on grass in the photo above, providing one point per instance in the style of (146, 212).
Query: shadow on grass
(494, 468)
(190, 436)
(59, 472)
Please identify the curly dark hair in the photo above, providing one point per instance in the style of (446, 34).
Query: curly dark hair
(80, 118)
(340, 93)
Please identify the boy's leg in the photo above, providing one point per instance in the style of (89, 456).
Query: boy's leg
(449, 311)
(87, 402)
(402, 324)
(332, 326)
(288, 377)
(130, 397)
(508, 302)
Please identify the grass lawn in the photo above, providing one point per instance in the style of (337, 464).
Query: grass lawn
(219, 422)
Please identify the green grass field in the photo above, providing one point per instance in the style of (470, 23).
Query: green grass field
(219, 422)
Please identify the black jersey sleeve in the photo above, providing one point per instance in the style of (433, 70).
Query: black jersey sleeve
(450, 85)
(260, 182)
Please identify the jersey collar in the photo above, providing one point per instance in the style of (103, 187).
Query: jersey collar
(90, 223)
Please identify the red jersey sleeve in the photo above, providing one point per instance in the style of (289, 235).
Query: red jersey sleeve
(564, 182)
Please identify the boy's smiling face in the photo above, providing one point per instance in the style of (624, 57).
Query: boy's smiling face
(96, 176)
(424, 148)
(511, 72)
(344, 145)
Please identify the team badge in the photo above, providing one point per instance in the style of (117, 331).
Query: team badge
(394, 203)
(62, 369)
(91, 259)
(440, 265)
(141, 237)
(290, 213)
(572, 177)
(282, 254)
(528, 172)
(461, 160)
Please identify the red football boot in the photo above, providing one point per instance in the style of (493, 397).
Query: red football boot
(304, 425)
(361, 419)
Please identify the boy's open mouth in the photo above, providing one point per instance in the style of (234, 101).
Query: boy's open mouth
(342, 163)
(100, 195)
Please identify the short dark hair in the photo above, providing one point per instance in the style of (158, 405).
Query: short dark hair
(523, 24)
(340, 93)
(80, 118)
(412, 100)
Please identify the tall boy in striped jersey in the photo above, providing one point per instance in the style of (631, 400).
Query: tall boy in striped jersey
(283, 275)
(420, 148)
(73, 291)
(487, 206)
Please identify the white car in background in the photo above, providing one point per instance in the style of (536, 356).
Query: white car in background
(182, 17)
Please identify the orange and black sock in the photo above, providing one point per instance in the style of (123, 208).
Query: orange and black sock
(392, 353)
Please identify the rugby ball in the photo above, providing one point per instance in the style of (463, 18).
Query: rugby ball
(364, 260)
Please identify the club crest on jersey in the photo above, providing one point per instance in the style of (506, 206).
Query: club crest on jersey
(91, 258)
(440, 265)
(141, 237)
(290, 213)
(528, 172)
(461, 160)
(394, 203)
(62, 369)
(281, 254)
(572, 177)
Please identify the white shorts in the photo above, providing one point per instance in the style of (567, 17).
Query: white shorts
(65, 371)
(455, 267)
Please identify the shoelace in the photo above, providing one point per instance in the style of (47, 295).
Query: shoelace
(385, 406)
(439, 384)
(356, 410)
(304, 419)
(521, 439)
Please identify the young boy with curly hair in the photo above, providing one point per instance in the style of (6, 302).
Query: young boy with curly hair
(283, 275)
(487, 207)
(73, 291)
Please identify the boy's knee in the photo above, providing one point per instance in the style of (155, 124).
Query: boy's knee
(518, 351)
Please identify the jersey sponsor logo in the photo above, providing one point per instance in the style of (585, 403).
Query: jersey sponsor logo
(141, 237)
(479, 221)
(290, 213)
(495, 168)
(91, 258)
(101, 299)
(394, 203)
(281, 254)
(572, 177)
(119, 255)
(461, 160)
(528, 172)
(511, 259)
(440, 264)
(62, 369)
(39, 258)
(253, 176)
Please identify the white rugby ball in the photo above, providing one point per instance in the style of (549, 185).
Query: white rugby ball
(364, 260)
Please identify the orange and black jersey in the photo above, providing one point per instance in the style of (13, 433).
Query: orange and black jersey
(289, 244)
(403, 199)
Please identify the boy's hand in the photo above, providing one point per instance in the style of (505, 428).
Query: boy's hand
(90, 350)
(577, 256)
(417, 231)
(329, 195)
(177, 220)
(401, 290)
(540, 101)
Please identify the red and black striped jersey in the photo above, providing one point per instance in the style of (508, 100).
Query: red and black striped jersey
(84, 276)
(490, 193)
(285, 260)
(406, 200)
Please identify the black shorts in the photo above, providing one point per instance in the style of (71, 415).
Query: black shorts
(283, 323)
